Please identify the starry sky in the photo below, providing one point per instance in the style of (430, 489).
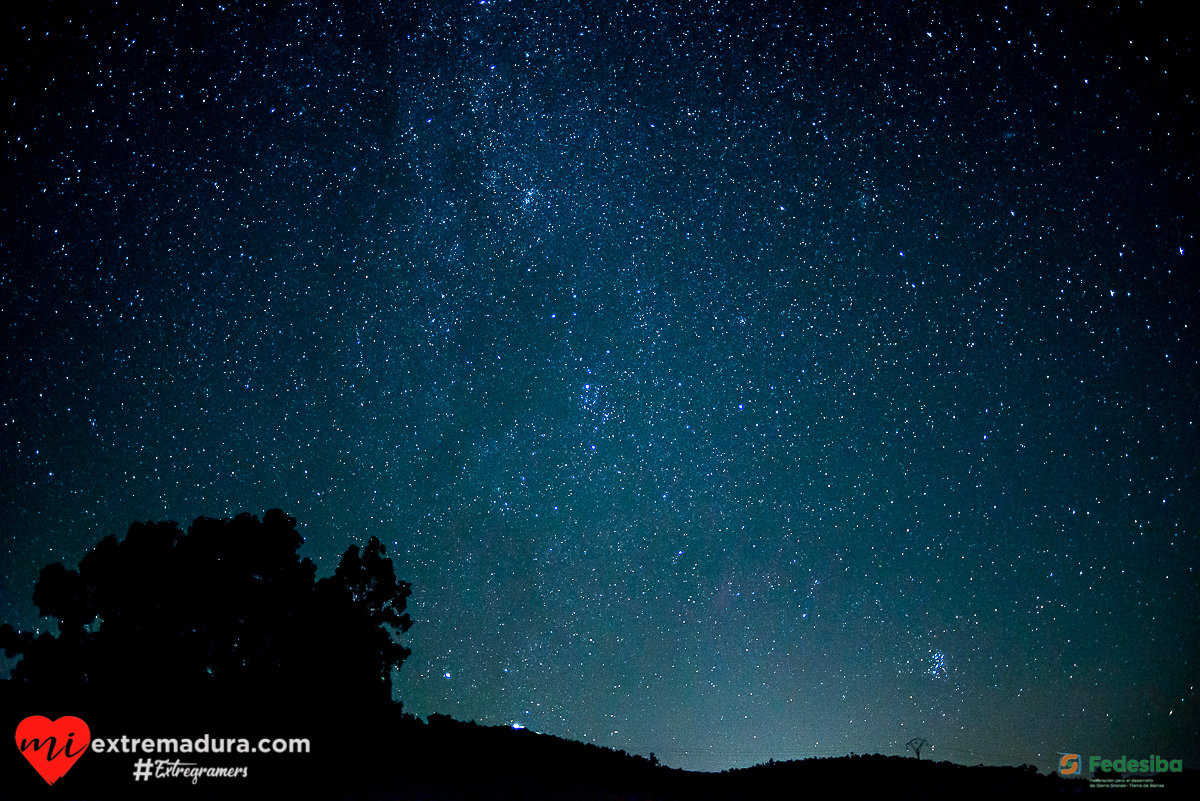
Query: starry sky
(732, 380)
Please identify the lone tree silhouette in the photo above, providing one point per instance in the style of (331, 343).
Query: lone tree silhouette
(226, 612)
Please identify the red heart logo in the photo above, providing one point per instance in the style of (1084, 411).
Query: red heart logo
(52, 746)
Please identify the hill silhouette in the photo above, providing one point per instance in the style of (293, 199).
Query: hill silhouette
(399, 756)
(465, 760)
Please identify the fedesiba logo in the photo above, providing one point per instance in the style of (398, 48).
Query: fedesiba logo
(1123, 764)
(1068, 764)
(1072, 764)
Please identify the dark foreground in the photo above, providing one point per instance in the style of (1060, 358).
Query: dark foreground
(399, 757)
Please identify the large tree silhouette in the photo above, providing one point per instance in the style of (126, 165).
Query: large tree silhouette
(228, 611)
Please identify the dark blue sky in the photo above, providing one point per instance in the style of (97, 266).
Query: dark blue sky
(738, 382)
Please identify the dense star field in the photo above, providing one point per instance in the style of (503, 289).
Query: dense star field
(733, 382)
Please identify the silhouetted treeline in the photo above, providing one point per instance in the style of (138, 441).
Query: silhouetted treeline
(223, 630)
(227, 613)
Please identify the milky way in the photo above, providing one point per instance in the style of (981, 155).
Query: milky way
(737, 382)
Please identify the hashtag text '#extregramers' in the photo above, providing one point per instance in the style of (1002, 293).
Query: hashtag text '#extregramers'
(145, 769)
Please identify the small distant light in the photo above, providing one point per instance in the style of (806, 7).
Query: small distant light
(447, 674)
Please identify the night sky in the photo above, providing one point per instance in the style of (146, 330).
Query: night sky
(733, 382)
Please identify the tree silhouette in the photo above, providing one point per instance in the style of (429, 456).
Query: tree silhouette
(228, 611)
(360, 607)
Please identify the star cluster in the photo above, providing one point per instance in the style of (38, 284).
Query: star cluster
(736, 381)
